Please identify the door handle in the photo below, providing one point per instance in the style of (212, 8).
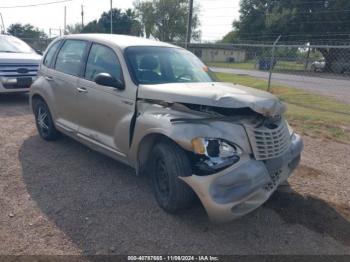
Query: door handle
(49, 78)
(82, 90)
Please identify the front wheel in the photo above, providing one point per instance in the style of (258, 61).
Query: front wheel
(169, 162)
(44, 122)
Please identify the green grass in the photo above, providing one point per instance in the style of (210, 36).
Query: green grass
(252, 65)
(308, 113)
(246, 65)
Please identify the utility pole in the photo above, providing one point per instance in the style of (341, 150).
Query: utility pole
(111, 17)
(3, 31)
(82, 16)
(189, 24)
(65, 20)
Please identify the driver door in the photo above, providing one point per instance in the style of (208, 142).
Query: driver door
(104, 112)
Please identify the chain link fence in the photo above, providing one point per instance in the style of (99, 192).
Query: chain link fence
(315, 60)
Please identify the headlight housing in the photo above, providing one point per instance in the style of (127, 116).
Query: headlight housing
(213, 147)
(215, 153)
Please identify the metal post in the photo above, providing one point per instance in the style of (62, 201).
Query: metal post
(65, 20)
(111, 16)
(3, 25)
(307, 58)
(272, 62)
(82, 16)
(189, 24)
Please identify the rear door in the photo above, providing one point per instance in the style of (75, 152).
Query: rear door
(64, 78)
(105, 112)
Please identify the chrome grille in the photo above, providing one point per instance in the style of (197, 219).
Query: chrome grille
(14, 70)
(269, 142)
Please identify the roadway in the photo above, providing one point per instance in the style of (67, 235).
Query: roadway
(338, 89)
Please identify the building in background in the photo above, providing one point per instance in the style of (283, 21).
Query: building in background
(218, 53)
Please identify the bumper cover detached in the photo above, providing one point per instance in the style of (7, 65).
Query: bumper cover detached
(243, 187)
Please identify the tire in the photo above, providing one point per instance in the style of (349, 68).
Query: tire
(44, 122)
(169, 162)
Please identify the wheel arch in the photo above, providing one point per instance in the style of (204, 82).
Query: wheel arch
(39, 96)
(35, 97)
(145, 148)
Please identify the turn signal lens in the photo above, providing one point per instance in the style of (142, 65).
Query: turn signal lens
(199, 145)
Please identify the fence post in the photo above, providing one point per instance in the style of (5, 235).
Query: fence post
(272, 62)
(307, 58)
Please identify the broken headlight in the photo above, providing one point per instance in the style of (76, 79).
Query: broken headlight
(215, 154)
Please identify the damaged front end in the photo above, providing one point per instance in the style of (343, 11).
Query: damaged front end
(232, 180)
(239, 156)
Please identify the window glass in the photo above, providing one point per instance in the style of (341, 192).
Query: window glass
(50, 54)
(158, 65)
(102, 60)
(69, 59)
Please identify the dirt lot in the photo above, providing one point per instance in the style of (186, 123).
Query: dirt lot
(62, 198)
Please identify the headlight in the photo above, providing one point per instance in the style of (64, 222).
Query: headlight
(215, 148)
(214, 154)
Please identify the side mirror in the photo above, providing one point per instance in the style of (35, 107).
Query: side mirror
(39, 52)
(105, 79)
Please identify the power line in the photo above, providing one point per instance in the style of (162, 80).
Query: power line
(32, 5)
(315, 12)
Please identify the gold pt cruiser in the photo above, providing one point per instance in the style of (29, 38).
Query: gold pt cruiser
(159, 109)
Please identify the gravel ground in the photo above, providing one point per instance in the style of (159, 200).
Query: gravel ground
(62, 198)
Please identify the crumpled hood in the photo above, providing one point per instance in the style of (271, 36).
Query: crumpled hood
(215, 94)
(20, 58)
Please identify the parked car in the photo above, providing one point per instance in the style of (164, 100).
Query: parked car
(18, 65)
(319, 65)
(339, 66)
(159, 109)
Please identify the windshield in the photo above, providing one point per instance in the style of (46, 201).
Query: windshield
(11, 44)
(159, 65)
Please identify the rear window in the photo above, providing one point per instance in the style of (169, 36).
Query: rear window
(70, 58)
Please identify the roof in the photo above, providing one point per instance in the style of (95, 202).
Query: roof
(122, 41)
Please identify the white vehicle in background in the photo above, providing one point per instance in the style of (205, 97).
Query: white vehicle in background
(319, 65)
(18, 65)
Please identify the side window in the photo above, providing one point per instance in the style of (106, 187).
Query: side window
(70, 57)
(50, 54)
(102, 60)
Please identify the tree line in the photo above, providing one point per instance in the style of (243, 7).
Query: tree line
(165, 20)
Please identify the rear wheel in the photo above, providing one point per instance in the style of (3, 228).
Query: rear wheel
(44, 122)
(169, 162)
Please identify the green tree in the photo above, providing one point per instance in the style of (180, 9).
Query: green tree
(166, 20)
(230, 37)
(26, 31)
(34, 37)
(314, 22)
(123, 23)
(74, 29)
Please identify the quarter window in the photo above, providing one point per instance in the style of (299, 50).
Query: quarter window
(50, 54)
(70, 57)
(102, 60)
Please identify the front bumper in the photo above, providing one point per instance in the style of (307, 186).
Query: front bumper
(11, 85)
(243, 187)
